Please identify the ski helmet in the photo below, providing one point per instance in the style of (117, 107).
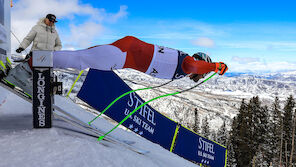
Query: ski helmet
(202, 56)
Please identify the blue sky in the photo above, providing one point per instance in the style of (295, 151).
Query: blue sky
(249, 36)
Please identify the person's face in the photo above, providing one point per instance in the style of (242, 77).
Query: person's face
(47, 22)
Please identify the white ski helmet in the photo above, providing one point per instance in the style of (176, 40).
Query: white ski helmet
(202, 56)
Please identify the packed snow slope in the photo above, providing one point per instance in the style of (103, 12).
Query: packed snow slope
(20, 145)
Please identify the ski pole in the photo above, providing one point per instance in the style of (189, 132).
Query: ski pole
(121, 96)
(18, 40)
(131, 113)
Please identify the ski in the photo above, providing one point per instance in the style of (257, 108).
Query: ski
(75, 121)
(94, 130)
(97, 133)
(20, 60)
(12, 88)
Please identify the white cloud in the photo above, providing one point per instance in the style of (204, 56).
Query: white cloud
(243, 60)
(260, 45)
(122, 13)
(32, 9)
(26, 13)
(204, 42)
(84, 34)
(262, 67)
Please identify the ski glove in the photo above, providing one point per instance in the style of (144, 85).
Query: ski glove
(221, 68)
(19, 50)
(195, 77)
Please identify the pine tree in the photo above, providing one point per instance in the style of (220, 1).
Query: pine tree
(205, 128)
(276, 126)
(256, 123)
(239, 137)
(264, 139)
(196, 127)
(249, 134)
(222, 134)
(287, 126)
(293, 140)
(231, 160)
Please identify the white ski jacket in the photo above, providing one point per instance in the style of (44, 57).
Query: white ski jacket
(43, 37)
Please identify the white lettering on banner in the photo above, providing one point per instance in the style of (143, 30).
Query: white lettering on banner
(40, 89)
(206, 149)
(145, 111)
(206, 146)
(40, 96)
(139, 122)
(150, 115)
(138, 103)
(148, 128)
(126, 112)
(131, 102)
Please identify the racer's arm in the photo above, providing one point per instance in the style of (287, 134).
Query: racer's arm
(190, 65)
(28, 39)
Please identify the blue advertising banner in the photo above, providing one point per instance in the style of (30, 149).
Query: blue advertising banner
(199, 149)
(100, 88)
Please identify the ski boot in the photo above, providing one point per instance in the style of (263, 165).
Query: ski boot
(3, 71)
(5, 68)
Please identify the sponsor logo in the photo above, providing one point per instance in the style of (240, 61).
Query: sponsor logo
(206, 151)
(144, 121)
(41, 97)
(41, 58)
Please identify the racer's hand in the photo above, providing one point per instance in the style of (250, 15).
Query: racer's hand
(221, 68)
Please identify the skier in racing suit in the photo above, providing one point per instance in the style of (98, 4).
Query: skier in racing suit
(130, 52)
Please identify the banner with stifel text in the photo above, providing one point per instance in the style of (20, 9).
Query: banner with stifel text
(100, 88)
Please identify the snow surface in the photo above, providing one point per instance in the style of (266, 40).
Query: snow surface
(20, 145)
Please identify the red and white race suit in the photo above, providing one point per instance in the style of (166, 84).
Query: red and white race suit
(130, 52)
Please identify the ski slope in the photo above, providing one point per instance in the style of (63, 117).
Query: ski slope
(20, 145)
